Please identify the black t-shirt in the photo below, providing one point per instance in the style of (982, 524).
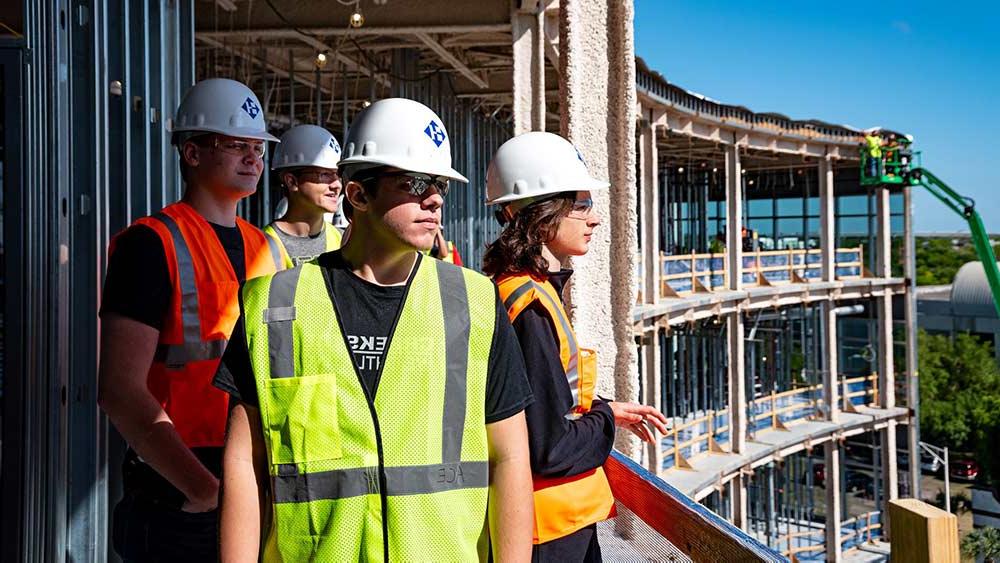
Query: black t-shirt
(368, 314)
(137, 284)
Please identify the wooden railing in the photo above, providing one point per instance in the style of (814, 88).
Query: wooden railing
(686, 273)
(864, 528)
(688, 437)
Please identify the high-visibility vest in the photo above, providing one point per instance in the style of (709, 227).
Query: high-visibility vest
(333, 239)
(401, 476)
(874, 145)
(563, 505)
(202, 313)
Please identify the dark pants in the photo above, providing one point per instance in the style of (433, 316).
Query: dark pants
(146, 531)
(580, 546)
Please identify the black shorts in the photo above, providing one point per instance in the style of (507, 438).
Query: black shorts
(147, 531)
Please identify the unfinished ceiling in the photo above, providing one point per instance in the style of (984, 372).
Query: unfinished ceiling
(305, 59)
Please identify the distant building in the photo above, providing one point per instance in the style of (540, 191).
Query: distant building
(964, 306)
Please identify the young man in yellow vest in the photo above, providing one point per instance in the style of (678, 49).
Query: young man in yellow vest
(169, 305)
(306, 161)
(379, 392)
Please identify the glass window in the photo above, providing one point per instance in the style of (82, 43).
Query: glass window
(761, 208)
(790, 207)
(852, 205)
(813, 206)
(852, 226)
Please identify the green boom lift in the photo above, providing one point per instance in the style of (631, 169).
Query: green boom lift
(895, 167)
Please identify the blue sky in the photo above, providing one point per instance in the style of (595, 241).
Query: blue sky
(931, 69)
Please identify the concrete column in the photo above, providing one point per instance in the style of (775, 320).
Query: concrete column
(912, 366)
(598, 104)
(827, 220)
(831, 454)
(738, 500)
(831, 369)
(828, 247)
(650, 199)
(734, 217)
(734, 321)
(529, 71)
(887, 368)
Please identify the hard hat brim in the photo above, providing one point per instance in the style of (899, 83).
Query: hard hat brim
(239, 132)
(587, 185)
(410, 165)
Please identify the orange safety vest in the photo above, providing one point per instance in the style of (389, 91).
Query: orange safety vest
(202, 313)
(563, 505)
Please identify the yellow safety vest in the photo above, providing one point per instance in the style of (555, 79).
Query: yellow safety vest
(874, 146)
(333, 238)
(401, 476)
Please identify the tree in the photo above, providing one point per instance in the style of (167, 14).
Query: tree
(938, 260)
(984, 542)
(959, 391)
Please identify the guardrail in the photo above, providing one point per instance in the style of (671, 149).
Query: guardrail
(708, 431)
(686, 273)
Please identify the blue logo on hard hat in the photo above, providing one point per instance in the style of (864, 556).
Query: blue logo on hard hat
(579, 156)
(334, 145)
(251, 108)
(435, 132)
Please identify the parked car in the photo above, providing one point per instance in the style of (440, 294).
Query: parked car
(964, 470)
(928, 463)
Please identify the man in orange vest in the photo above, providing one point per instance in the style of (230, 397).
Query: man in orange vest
(169, 306)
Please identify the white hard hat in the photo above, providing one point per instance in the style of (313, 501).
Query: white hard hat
(401, 133)
(537, 164)
(220, 105)
(306, 145)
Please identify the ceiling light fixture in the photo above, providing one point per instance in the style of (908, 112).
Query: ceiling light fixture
(357, 18)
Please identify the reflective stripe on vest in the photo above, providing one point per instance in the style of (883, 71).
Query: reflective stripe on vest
(404, 473)
(280, 253)
(563, 505)
(200, 319)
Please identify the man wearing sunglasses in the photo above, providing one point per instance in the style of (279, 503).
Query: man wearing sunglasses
(306, 161)
(169, 305)
(379, 392)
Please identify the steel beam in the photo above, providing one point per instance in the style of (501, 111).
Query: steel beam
(451, 59)
(288, 33)
(273, 67)
(349, 63)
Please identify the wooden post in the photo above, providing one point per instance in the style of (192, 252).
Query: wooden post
(926, 534)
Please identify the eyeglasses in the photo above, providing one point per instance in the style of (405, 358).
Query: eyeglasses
(237, 147)
(417, 184)
(581, 208)
(324, 177)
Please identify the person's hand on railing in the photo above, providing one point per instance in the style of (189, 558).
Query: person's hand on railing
(634, 417)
